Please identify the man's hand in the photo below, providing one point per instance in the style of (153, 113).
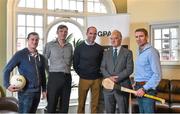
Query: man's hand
(13, 88)
(113, 78)
(140, 92)
(133, 85)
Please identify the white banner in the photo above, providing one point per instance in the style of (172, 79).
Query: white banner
(107, 23)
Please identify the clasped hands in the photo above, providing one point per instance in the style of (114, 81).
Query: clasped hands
(140, 92)
(114, 78)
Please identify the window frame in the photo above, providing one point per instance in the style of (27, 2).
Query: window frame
(162, 25)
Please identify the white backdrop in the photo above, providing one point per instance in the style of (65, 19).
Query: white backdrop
(108, 23)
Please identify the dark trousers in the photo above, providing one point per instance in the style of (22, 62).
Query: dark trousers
(115, 97)
(58, 91)
(28, 102)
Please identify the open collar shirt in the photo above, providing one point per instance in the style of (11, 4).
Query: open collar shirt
(59, 58)
(147, 67)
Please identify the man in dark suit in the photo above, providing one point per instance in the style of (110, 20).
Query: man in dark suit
(117, 65)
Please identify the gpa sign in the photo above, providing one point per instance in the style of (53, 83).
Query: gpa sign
(105, 24)
(104, 33)
(18, 81)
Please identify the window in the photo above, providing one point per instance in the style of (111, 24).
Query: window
(31, 3)
(32, 15)
(25, 24)
(166, 39)
(96, 6)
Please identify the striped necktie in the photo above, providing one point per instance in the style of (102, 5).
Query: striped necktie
(114, 55)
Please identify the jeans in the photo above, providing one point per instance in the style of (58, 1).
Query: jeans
(28, 102)
(146, 105)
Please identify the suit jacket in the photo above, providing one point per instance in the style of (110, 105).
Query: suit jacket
(123, 66)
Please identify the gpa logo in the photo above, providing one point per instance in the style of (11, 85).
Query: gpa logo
(20, 80)
(104, 33)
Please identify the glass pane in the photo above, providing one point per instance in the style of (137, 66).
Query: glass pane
(73, 18)
(21, 20)
(97, 7)
(174, 55)
(165, 55)
(21, 3)
(21, 43)
(38, 3)
(174, 32)
(40, 32)
(30, 3)
(50, 4)
(80, 6)
(73, 5)
(157, 44)
(40, 45)
(174, 44)
(21, 32)
(30, 20)
(58, 4)
(38, 21)
(50, 19)
(65, 4)
(90, 6)
(30, 29)
(157, 34)
(103, 9)
(74, 91)
(80, 21)
(166, 44)
(52, 33)
(165, 33)
(56, 18)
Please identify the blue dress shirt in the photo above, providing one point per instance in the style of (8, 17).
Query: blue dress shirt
(148, 67)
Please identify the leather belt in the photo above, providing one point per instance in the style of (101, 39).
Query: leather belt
(141, 83)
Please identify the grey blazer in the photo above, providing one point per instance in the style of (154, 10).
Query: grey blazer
(123, 66)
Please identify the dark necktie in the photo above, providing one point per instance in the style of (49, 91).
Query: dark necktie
(114, 55)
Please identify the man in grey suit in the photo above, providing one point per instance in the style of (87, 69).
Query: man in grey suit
(117, 65)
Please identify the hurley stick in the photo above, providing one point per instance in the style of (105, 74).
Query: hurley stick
(108, 84)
